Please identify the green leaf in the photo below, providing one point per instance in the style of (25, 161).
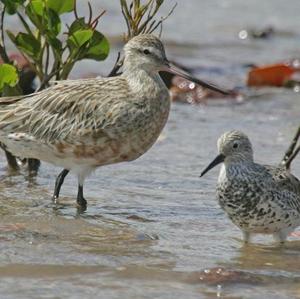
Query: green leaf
(55, 43)
(11, 36)
(37, 7)
(79, 38)
(8, 75)
(53, 22)
(77, 25)
(43, 17)
(61, 6)
(9, 91)
(28, 44)
(35, 10)
(12, 5)
(98, 48)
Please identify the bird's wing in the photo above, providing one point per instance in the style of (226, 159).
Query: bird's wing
(69, 109)
(6, 101)
(277, 182)
(284, 179)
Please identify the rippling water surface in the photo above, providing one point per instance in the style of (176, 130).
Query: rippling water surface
(153, 228)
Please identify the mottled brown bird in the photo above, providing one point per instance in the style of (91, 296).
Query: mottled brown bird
(83, 124)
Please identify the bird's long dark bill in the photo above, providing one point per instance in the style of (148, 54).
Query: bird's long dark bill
(179, 72)
(219, 159)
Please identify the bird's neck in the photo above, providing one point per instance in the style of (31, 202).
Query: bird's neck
(233, 169)
(143, 80)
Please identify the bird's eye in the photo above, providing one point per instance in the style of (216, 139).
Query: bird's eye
(235, 145)
(146, 52)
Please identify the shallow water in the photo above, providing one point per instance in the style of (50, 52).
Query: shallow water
(153, 228)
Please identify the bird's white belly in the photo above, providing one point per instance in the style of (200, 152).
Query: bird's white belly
(77, 155)
(25, 146)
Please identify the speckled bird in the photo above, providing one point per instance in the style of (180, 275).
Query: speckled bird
(83, 124)
(257, 198)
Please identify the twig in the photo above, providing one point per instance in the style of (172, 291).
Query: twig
(126, 17)
(292, 157)
(290, 151)
(90, 13)
(160, 30)
(75, 10)
(94, 23)
(47, 59)
(163, 19)
(26, 26)
(140, 18)
(48, 77)
(118, 64)
(3, 53)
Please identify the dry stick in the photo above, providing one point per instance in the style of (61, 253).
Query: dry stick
(118, 64)
(127, 21)
(292, 157)
(3, 53)
(286, 161)
(75, 10)
(47, 58)
(11, 160)
(94, 23)
(164, 18)
(90, 13)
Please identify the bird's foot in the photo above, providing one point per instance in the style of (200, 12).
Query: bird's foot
(81, 205)
(81, 202)
(55, 199)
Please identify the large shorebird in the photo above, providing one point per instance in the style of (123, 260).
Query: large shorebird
(83, 124)
(257, 198)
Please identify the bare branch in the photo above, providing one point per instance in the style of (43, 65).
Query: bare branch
(95, 22)
(163, 19)
(3, 52)
(26, 26)
(90, 13)
(291, 153)
(118, 64)
(47, 59)
(292, 157)
(75, 10)
(141, 18)
(291, 148)
(127, 22)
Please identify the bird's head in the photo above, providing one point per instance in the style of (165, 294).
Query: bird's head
(233, 147)
(147, 52)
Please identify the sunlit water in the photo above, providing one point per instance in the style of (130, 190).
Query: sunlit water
(153, 226)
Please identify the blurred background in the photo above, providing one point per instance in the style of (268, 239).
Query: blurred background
(153, 228)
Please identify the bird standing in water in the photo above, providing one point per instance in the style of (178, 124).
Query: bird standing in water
(257, 198)
(83, 124)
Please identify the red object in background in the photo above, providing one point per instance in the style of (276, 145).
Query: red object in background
(27, 74)
(20, 60)
(270, 75)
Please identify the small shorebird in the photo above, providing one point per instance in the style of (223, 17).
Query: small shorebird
(257, 198)
(83, 124)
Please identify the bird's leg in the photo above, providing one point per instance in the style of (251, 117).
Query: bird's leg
(280, 236)
(11, 161)
(80, 199)
(33, 166)
(58, 183)
(246, 237)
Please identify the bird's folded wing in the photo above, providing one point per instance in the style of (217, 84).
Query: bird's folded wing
(68, 110)
(284, 179)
